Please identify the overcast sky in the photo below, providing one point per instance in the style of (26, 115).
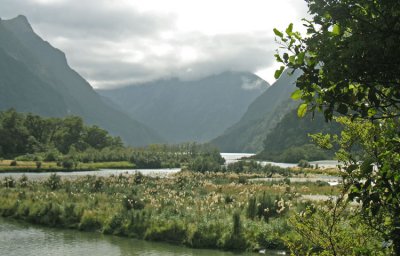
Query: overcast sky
(116, 42)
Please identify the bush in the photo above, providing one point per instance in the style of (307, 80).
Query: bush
(23, 181)
(173, 232)
(38, 164)
(9, 182)
(89, 222)
(236, 240)
(304, 164)
(67, 163)
(53, 182)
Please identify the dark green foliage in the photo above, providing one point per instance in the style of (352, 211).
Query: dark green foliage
(145, 160)
(27, 134)
(252, 208)
(67, 163)
(89, 222)
(266, 207)
(70, 217)
(205, 159)
(236, 241)
(349, 58)
(350, 64)
(174, 231)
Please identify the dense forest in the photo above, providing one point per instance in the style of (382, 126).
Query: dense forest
(29, 134)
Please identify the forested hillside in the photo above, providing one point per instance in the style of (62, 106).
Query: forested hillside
(289, 141)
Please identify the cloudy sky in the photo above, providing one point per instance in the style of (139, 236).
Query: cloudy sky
(117, 42)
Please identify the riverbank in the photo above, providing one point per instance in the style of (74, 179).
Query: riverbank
(20, 238)
(211, 210)
(13, 166)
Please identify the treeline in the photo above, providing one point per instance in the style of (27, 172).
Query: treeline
(68, 141)
(22, 134)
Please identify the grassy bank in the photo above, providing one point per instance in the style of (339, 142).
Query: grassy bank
(42, 166)
(212, 210)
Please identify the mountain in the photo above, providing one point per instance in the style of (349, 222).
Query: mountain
(248, 134)
(289, 140)
(196, 110)
(35, 77)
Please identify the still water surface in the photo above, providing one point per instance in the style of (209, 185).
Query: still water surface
(21, 239)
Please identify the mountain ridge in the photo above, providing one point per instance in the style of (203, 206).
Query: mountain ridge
(50, 67)
(248, 134)
(189, 110)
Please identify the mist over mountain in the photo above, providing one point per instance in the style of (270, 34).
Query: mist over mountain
(262, 115)
(196, 110)
(35, 77)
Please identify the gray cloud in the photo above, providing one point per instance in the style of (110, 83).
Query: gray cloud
(111, 45)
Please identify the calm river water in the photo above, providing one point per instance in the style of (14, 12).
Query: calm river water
(22, 239)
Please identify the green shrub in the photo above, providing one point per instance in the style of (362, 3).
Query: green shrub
(236, 241)
(70, 215)
(9, 182)
(89, 221)
(252, 208)
(304, 164)
(114, 225)
(173, 232)
(53, 182)
(67, 163)
(23, 181)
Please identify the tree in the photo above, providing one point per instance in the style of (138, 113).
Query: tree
(350, 61)
(350, 58)
(14, 137)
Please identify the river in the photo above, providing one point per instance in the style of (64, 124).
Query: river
(22, 239)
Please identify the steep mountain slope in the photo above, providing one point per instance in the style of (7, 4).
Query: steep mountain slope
(190, 110)
(288, 141)
(36, 77)
(262, 115)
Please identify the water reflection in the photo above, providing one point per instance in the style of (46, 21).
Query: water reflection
(22, 239)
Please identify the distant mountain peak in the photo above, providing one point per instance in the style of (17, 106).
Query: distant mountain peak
(20, 22)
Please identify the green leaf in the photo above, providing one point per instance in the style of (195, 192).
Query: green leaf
(302, 110)
(278, 58)
(300, 58)
(279, 72)
(278, 33)
(296, 95)
(336, 30)
(371, 112)
(289, 29)
(292, 60)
